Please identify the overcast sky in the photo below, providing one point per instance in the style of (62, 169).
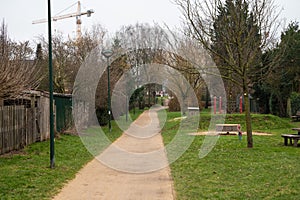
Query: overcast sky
(112, 14)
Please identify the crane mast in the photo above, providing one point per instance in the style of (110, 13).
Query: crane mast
(77, 14)
(78, 21)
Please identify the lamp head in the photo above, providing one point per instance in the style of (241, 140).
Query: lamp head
(107, 53)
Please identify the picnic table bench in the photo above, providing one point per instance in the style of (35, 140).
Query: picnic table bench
(296, 129)
(294, 138)
(296, 117)
(228, 128)
(193, 110)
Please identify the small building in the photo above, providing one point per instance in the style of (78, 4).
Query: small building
(63, 111)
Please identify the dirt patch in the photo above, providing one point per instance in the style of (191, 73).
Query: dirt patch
(13, 153)
(214, 133)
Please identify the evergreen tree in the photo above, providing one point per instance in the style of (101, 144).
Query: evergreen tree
(235, 35)
(284, 78)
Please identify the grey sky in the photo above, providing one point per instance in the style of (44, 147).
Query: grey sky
(111, 14)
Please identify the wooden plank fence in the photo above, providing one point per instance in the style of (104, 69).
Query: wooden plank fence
(20, 126)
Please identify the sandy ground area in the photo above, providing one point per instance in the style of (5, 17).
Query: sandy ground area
(134, 167)
(231, 133)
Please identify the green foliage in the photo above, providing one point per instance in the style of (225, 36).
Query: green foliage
(290, 40)
(236, 31)
(137, 96)
(284, 78)
(295, 102)
(228, 19)
(102, 116)
(263, 94)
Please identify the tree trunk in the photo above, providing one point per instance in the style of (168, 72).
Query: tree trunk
(248, 121)
(289, 107)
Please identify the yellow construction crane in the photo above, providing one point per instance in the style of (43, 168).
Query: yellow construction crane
(75, 14)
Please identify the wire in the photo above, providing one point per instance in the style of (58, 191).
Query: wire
(66, 9)
(83, 6)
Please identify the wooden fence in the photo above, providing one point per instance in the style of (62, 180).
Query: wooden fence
(21, 126)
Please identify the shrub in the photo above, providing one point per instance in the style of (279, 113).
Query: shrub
(137, 96)
(102, 116)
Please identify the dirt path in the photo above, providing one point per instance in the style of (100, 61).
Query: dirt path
(137, 154)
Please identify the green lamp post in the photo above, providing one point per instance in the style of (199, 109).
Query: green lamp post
(52, 156)
(107, 53)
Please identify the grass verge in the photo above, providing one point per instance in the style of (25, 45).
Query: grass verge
(27, 175)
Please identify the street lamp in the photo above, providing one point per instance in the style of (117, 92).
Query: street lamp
(107, 53)
(51, 120)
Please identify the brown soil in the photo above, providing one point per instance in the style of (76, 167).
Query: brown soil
(213, 133)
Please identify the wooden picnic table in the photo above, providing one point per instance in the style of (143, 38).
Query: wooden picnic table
(228, 128)
(296, 117)
(294, 138)
(193, 110)
(296, 129)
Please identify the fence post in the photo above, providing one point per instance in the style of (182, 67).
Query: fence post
(241, 104)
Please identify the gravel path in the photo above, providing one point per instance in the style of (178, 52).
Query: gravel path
(141, 163)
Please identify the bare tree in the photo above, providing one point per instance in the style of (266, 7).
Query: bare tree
(147, 45)
(68, 55)
(18, 70)
(190, 66)
(243, 29)
(143, 42)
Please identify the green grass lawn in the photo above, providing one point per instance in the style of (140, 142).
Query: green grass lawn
(26, 174)
(231, 171)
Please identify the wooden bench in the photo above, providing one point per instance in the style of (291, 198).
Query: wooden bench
(228, 128)
(293, 139)
(296, 117)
